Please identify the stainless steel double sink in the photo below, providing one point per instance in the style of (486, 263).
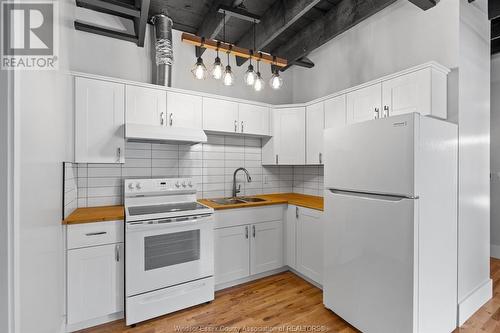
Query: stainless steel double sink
(236, 201)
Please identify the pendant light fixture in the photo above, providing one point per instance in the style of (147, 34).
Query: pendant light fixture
(199, 70)
(259, 81)
(228, 78)
(218, 68)
(276, 82)
(250, 75)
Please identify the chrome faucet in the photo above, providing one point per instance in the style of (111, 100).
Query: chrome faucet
(237, 190)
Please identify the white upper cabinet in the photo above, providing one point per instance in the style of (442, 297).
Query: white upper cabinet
(364, 104)
(335, 112)
(184, 110)
(253, 119)
(423, 91)
(315, 124)
(99, 121)
(288, 144)
(220, 115)
(146, 106)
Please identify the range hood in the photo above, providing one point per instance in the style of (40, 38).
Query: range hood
(140, 132)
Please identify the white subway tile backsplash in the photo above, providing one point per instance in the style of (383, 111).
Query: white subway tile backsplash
(211, 165)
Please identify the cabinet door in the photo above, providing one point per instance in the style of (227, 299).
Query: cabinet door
(291, 236)
(184, 110)
(310, 244)
(99, 121)
(232, 253)
(220, 115)
(95, 282)
(254, 119)
(315, 124)
(289, 136)
(146, 106)
(407, 93)
(335, 112)
(363, 104)
(266, 247)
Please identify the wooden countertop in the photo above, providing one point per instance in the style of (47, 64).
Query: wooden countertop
(95, 214)
(302, 200)
(114, 213)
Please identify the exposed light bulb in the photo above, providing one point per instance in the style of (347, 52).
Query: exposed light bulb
(259, 83)
(228, 78)
(218, 69)
(276, 81)
(250, 76)
(199, 70)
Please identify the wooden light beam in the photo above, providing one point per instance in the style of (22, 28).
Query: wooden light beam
(233, 50)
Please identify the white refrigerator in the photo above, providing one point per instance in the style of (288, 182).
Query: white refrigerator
(391, 224)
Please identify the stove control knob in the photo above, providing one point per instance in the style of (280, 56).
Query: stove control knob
(183, 184)
(131, 186)
(177, 185)
(138, 186)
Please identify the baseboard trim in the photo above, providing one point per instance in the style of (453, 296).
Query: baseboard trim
(249, 278)
(495, 251)
(94, 322)
(303, 277)
(474, 301)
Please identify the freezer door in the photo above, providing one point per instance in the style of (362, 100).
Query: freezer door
(375, 156)
(369, 261)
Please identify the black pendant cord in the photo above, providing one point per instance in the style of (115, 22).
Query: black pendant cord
(252, 52)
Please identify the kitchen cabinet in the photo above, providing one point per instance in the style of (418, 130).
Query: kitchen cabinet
(304, 242)
(220, 115)
(95, 282)
(315, 124)
(146, 106)
(99, 121)
(94, 273)
(364, 104)
(253, 119)
(232, 253)
(422, 91)
(266, 247)
(184, 110)
(335, 112)
(287, 146)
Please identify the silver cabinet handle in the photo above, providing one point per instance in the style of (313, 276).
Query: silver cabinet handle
(377, 113)
(297, 212)
(117, 253)
(253, 231)
(236, 126)
(386, 111)
(246, 232)
(320, 158)
(242, 127)
(96, 233)
(171, 119)
(276, 158)
(162, 118)
(119, 153)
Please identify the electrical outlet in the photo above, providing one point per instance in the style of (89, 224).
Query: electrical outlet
(266, 181)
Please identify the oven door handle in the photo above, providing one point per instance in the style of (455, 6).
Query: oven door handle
(164, 224)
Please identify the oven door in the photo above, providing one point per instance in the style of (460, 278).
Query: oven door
(167, 253)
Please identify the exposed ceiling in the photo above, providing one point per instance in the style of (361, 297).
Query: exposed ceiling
(494, 15)
(290, 29)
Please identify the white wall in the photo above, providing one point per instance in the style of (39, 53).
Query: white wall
(398, 37)
(495, 156)
(474, 283)
(116, 58)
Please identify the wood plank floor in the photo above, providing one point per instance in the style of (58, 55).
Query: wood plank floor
(279, 302)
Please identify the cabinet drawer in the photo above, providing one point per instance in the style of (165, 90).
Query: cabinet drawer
(91, 234)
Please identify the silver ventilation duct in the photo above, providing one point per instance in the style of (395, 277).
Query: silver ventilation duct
(164, 55)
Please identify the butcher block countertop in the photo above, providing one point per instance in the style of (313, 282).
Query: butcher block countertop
(95, 214)
(114, 213)
(302, 200)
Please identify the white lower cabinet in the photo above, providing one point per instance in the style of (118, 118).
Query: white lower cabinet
(95, 274)
(248, 241)
(304, 242)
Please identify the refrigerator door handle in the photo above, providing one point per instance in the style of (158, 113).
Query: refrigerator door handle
(376, 196)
